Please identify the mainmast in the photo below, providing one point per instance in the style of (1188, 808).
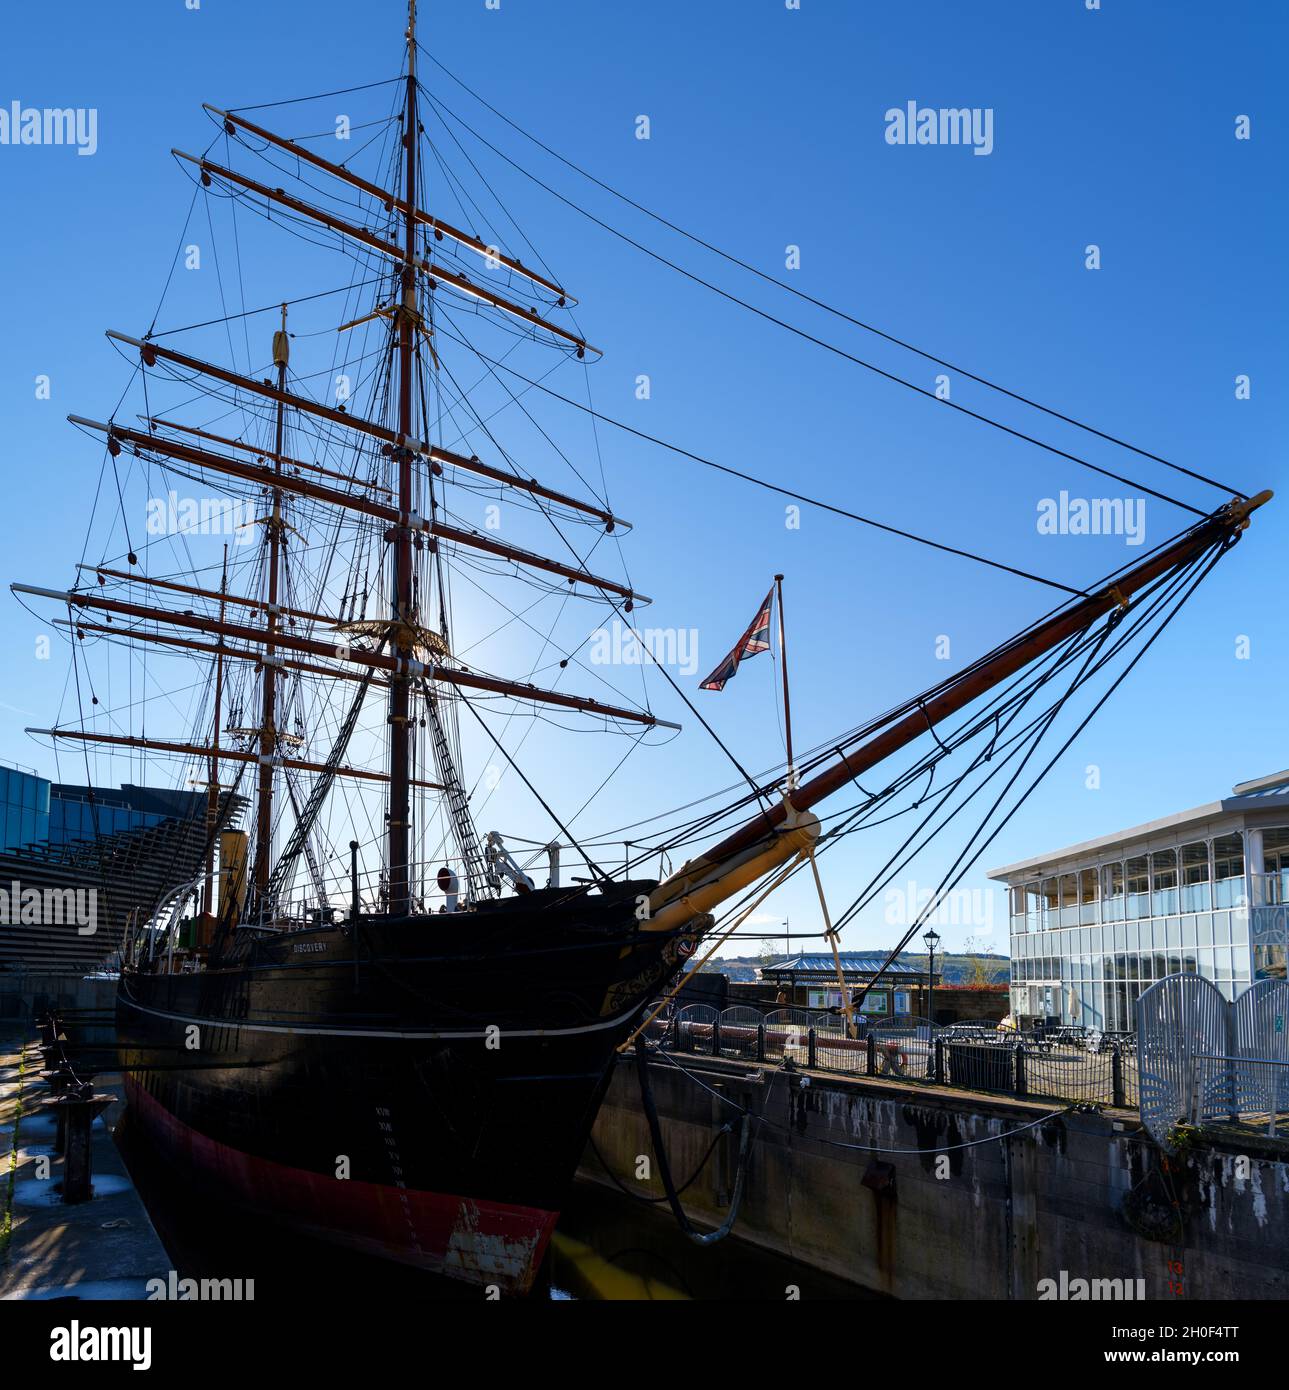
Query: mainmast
(213, 787)
(262, 629)
(403, 624)
(268, 710)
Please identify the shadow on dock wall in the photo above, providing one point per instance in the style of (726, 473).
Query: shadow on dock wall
(921, 1208)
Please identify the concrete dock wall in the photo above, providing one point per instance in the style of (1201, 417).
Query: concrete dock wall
(24, 994)
(935, 1219)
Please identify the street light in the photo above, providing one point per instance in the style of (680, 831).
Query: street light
(932, 939)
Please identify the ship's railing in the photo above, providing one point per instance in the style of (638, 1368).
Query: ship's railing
(294, 910)
(147, 941)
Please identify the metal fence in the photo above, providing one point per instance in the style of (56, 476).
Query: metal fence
(1204, 1061)
(1067, 1065)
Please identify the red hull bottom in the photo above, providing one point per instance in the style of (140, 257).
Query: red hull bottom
(466, 1238)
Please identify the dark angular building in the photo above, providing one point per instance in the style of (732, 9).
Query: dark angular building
(78, 863)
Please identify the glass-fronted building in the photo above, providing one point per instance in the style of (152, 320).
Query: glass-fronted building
(1203, 892)
(35, 811)
(24, 808)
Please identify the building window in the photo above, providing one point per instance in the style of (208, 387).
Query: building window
(1019, 920)
(1033, 906)
(1195, 877)
(1089, 893)
(1112, 892)
(1069, 900)
(1047, 890)
(1275, 856)
(1137, 881)
(1163, 882)
(1228, 871)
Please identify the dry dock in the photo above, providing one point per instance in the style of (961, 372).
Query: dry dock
(926, 1192)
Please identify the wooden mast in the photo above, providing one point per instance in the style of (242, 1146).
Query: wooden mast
(457, 280)
(268, 711)
(404, 617)
(232, 120)
(212, 786)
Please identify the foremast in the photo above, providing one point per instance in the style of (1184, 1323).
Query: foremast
(281, 640)
(275, 523)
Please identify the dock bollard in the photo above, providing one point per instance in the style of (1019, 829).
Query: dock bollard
(938, 1044)
(60, 1078)
(871, 1042)
(1116, 1078)
(53, 1102)
(77, 1111)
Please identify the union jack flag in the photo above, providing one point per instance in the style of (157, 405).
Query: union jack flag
(755, 639)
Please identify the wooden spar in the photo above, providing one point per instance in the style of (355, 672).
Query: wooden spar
(391, 201)
(241, 444)
(244, 602)
(398, 864)
(355, 502)
(214, 649)
(723, 869)
(198, 750)
(150, 351)
(269, 675)
(406, 254)
(449, 675)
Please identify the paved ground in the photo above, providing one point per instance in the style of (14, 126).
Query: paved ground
(103, 1248)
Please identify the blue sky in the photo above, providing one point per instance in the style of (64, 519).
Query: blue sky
(1113, 127)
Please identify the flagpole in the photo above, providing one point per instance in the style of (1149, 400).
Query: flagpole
(787, 705)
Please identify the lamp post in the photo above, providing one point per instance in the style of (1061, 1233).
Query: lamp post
(932, 939)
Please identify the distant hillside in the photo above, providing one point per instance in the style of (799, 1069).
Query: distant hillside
(954, 969)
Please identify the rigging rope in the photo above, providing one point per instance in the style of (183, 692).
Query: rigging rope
(821, 342)
(811, 299)
(764, 483)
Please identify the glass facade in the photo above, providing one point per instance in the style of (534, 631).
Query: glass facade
(24, 808)
(78, 819)
(1085, 944)
(35, 812)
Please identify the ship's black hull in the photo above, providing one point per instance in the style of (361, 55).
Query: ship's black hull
(422, 1089)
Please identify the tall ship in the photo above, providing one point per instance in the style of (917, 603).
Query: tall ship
(395, 1034)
